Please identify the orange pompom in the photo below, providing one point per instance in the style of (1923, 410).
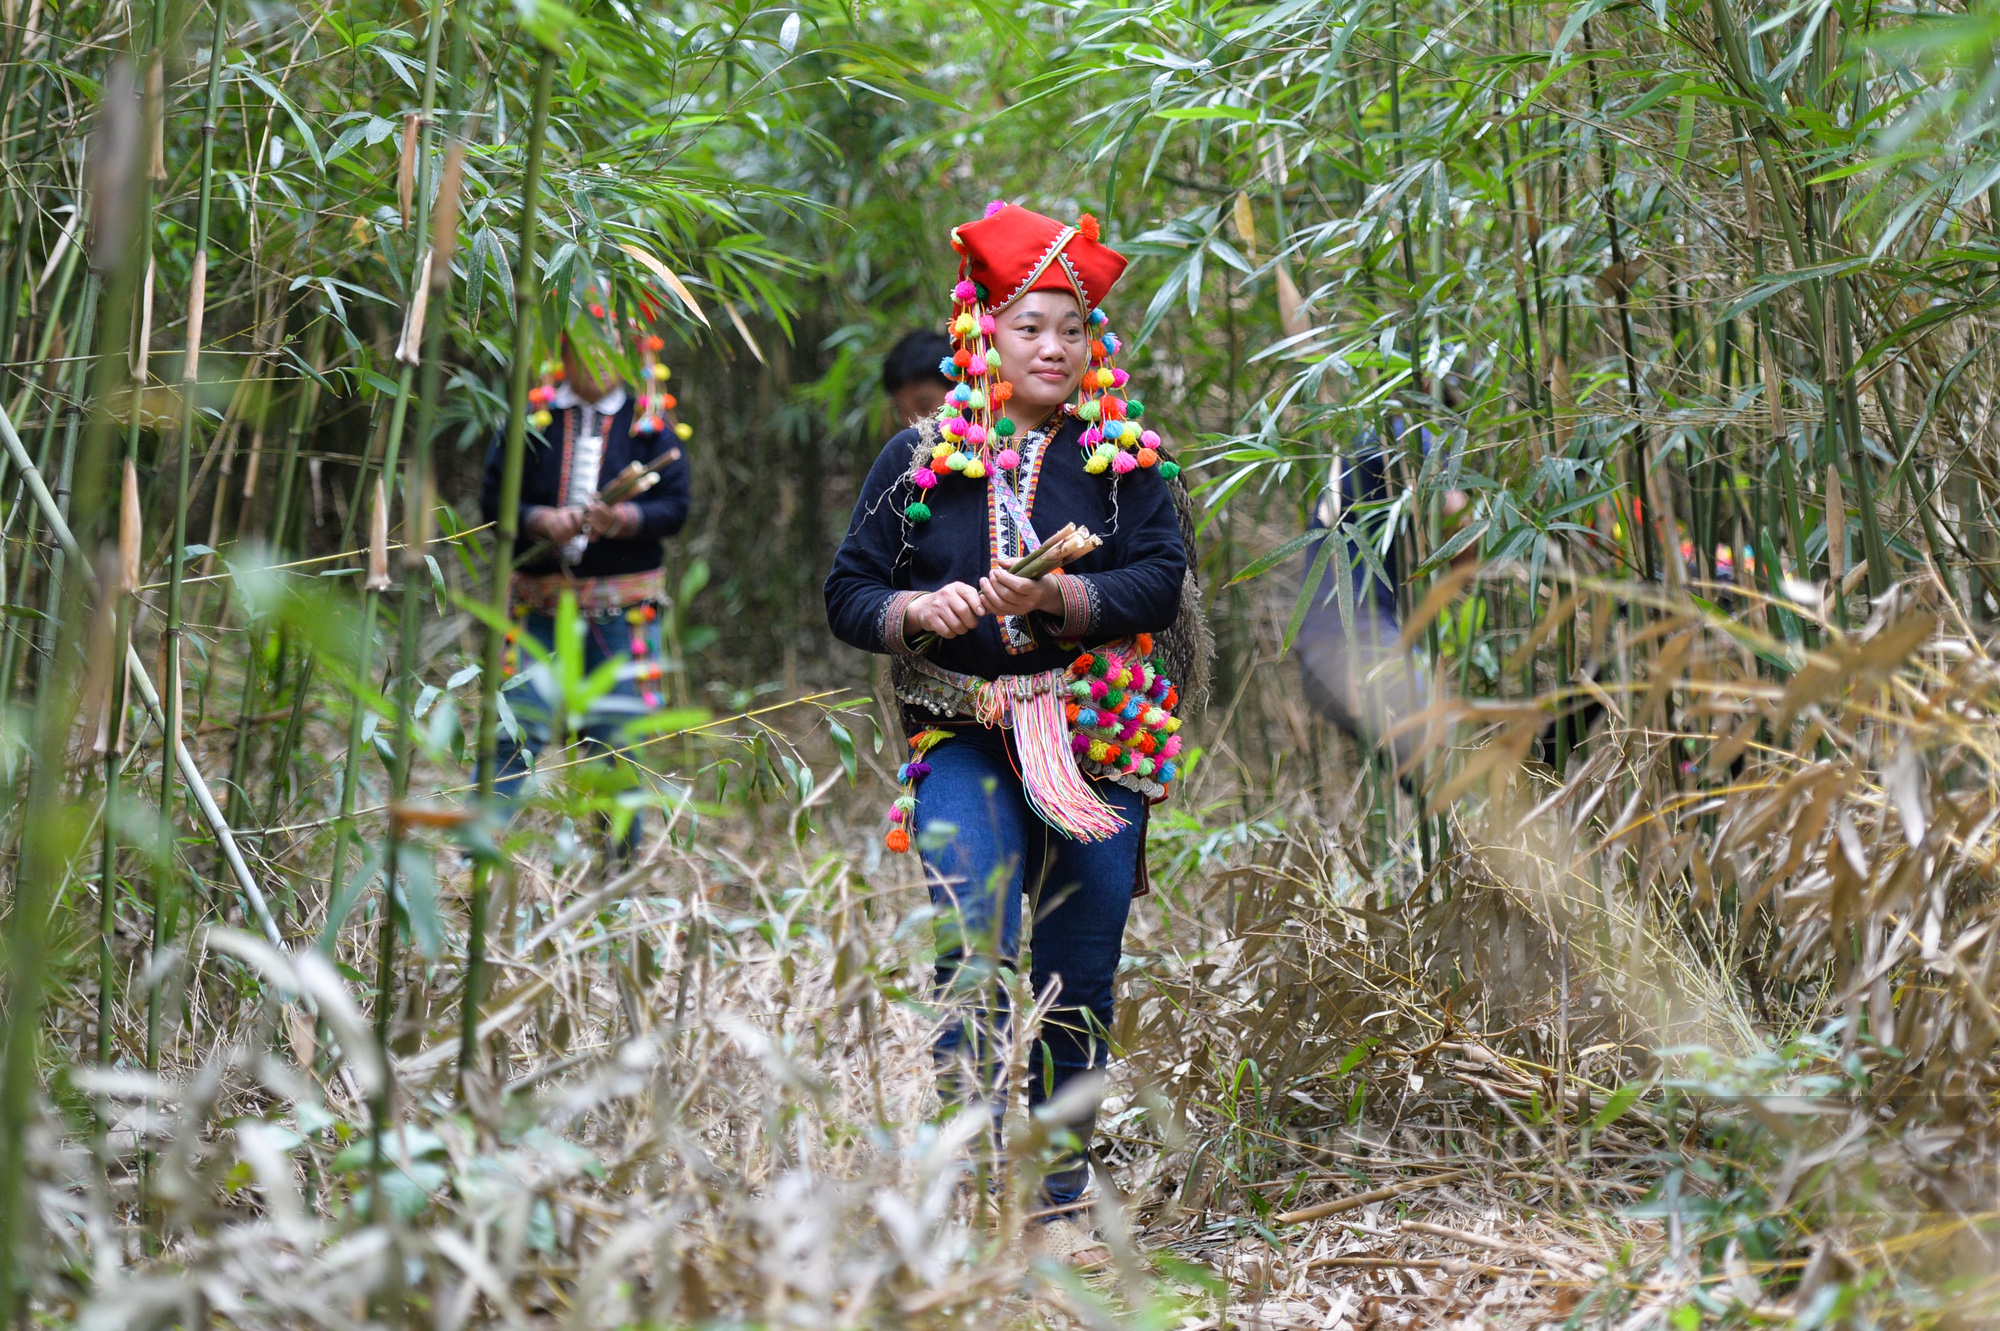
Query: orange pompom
(1146, 743)
(961, 358)
(1147, 457)
(1096, 350)
(1002, 392)
(1144, 642)
(1112, 753)
(668, 401)
(1087, 227)
(1071, 710)
(897, 841)
(1172, 699)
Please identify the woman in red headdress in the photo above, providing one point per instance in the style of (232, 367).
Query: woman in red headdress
(1041, 725)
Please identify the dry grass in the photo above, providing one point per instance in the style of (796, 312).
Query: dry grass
(1553, 1079)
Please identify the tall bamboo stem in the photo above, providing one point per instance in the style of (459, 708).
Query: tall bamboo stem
(512, 454)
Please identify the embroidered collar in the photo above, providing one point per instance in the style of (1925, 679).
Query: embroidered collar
(608, 405)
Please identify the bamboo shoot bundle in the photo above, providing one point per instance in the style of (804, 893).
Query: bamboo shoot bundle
(1065, 547)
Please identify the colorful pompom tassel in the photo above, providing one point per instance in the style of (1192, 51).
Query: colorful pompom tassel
(903, 811)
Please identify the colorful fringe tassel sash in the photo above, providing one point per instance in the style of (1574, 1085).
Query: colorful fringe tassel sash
(1049, 776)
(1108, 716)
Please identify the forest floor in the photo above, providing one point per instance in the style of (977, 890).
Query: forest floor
(719, 1104)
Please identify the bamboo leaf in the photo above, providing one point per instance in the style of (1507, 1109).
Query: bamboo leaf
(1265, 563)
(674, 283)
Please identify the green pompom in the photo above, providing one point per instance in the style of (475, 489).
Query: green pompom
(918, 512)
(1134, 408)
(980, 289)
(1169, 470)
(1003, 427)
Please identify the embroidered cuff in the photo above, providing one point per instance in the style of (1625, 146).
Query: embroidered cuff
(894, 614)
(1079, 606)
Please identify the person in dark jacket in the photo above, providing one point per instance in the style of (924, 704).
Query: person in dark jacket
(1040, 727)
(592, 425)
(915, 386)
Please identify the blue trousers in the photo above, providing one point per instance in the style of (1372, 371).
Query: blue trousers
(991, 860)
(603, 640)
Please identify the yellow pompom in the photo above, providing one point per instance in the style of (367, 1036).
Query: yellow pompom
(662, 373)
(1171, 724)
(1098, 751)
(965, 325)
(1098, 462)
(941, 452)
(1105, 379)
(540, 420)
(975, 469)
(684, 431)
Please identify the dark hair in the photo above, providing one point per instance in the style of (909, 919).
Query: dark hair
(915, 358)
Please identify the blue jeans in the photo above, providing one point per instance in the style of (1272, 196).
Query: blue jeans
(603, 640)
(985, 851)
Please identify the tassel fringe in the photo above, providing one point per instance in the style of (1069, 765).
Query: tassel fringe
(1055, 789)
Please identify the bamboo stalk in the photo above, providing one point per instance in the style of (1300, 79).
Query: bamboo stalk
(116, 592)
(513, 452)
(350, 776)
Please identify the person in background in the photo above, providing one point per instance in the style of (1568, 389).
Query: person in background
(602, 406)
(912, 377)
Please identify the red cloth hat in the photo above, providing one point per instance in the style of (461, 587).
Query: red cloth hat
(1012, 251)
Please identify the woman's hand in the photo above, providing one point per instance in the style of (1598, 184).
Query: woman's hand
(612, 521)
(949, 611)
(1004, 593)
(557, 526)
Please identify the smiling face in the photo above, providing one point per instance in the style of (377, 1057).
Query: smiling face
(1044, 346)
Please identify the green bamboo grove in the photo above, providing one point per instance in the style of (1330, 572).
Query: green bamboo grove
(1672, 326)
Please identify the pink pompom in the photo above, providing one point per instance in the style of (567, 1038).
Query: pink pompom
(975, 434)
(965, 293)
(977, 367)
(1092, 436)
(995, 206)
(1148, 439)
(1098, 688)
(1079, 745)
(955, 426)
(1123, 463)
(1128, 731)
(1119, 378)
(924, 478)
(986, 324)
(895, 815)
(1172, 748)
(1007, 459)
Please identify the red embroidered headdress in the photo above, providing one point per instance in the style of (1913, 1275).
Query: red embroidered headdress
(1002, 257)
(1012, 251)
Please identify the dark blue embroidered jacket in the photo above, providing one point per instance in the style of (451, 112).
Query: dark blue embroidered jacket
(1130, 585)
(663, 510)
